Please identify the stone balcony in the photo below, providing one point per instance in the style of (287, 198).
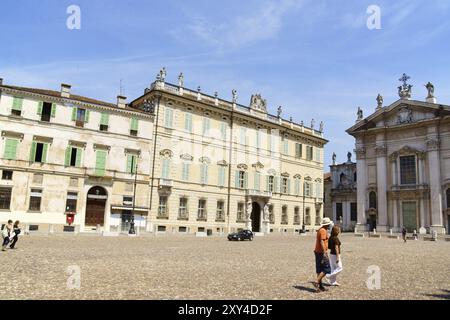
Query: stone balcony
(165, 183)
(257, 193)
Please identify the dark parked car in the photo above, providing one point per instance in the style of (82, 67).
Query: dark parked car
(241, 235)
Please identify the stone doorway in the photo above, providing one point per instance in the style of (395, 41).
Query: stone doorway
(95, 207)
(256, 217)
(409, 210)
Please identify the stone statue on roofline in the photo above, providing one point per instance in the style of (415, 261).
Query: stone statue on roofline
(359, 114)
(379, 101)
(181, 80)
(334, 159)
(321, 126)
(430, 88)
(279, 111)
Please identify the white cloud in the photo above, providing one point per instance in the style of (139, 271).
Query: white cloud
(262, 23)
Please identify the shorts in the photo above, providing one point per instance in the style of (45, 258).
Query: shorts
(322, 265)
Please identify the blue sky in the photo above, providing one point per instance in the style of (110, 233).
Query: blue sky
(316, 58)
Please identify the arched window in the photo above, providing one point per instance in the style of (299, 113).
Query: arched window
(372, 200)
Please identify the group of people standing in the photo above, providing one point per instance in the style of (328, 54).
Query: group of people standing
(328, 265)
(10, 234)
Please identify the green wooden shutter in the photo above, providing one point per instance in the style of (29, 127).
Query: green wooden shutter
(236, 178)
(245, 180)
(257, 178)
(188, 122)
(74, 114)
(33, 151)
(267, 183)
(165, 168)
(288, 186)
(53, 114)
(100, 163)
(68, 156)
(206, 124)
(44, 152)
(39, 108)
(87, 116)
(297, 187)
(134, 124)
(104, 119)
(221, 176)
(129, 163)
(168, 118)
(78, 157)
(11, 149)
(17, 104)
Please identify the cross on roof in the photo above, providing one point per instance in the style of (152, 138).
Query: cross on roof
(404, 79)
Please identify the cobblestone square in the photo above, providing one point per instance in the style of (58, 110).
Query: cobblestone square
(185, 267)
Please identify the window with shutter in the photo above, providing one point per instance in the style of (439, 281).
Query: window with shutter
(206, 126)
(38, 152)
(185, 173)
(188, 122)
(131, 163)
(100, 163)
(168, 118)
(104, 122)
(298, 150)
(10, 149)
(16, 109)
(221, 176)
(134, 127)
(165, 168)
(257, 181)
(223, 130)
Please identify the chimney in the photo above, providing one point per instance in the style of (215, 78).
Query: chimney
(65, 90)
(121, 102)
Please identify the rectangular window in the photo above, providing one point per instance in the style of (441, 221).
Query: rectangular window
(408, 170)
(131, 163)
(298, 150)
(188, 122)
(271, 183)
(79, 116)
(307, 189)
(10, 149)
(297, 215)
(353, 212)
(185, 173)
(127, 201)
(104, 122)
(258, 139)
(71, 202)
(240, 212)
(221, 176)
(243, 136)
(162, 208)
(220, 214)
(339, 211)
(46, 110)
(7, 175)
(16, 109)
(100, 162)
(241, 179)
(134, 125)
(5, 198)
(309, 153)
(273, 142)
(201, 215)
(73, 157)
(284, 185)
(168, 118)
(35, 200)
(38, 152)
(183, 210)
(317, 154)
(284, 215)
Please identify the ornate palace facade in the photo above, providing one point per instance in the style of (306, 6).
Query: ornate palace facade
(403, 164)
(199, 163)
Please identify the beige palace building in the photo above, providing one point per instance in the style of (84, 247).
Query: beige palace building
(204, 165)
(403, 164)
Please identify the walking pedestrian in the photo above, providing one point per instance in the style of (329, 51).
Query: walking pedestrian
(15, 234)
(321, 254)
(6, 234)
(404, 234)
(335, 256)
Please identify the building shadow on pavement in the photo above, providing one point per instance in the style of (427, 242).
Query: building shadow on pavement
(445, 295)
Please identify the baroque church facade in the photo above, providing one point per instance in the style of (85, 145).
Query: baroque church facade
(403, 164)
(174, 160)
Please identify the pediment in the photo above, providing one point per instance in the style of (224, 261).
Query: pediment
(401, 113)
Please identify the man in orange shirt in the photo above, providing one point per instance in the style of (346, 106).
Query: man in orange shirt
(321, 253)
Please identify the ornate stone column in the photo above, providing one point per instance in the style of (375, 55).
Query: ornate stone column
(434, 168)
(382, 187)
(248, 222)
(361, 169)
